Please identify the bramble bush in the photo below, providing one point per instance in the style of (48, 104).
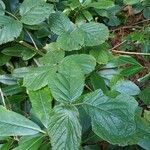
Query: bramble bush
(74, 74)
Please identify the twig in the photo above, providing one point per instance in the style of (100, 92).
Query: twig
(125, 27)
(130, 26)
(2, 96)
(124, 52)
(88, 87)
(141, 22)
(130, 53)
(118, 45)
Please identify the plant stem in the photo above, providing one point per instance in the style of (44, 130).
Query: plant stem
(130, 26)
(127, 53)
(2, 96)
(32, 40)
(31, 47)
(130, 53)
(7, 12)
(118, 45)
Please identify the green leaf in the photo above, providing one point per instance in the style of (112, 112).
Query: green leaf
(102, 56)
(123, 59)
(4, 59)
(86, 62)
(8, 80)
(131, 2)
(145, 78)
(87, 15)
(19, 51)
(35, 11)
(9, 29)
(30, 142)
(64, 128)
(94, 33)
(73, 4)
(12, 90)
(52, 57)
(143, 125)
(2, 8)
(145, 95)
(69, 41)
(102, 4)
(112, 119)
(38, 77)
(126, 87)
(129, 71)
(145, 144)
(67, 85)
(21, 72)
(13, 124)
(41, 104)
(59, 23)
(98, 82)
(146, 12)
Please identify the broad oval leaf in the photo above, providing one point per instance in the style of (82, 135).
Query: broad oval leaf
(67, 85)
(13, 124)
(9, 29)
(52, 57)
(146, 12)
(86, 62)
(2, 8)
(29, 142)
(12, 90)
(102, 4)
(8, 80)
(69, 41)
(41, 104)
(38, 77)
(35, 11)
(94, 33)
(19, 51)
(64, 128)
(4, 59)
(131, 2)
(126, 87)
(59, 23)
(112, 119)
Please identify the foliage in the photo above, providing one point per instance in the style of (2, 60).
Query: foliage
(64, 83)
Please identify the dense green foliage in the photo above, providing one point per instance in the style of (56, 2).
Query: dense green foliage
(64, 83)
